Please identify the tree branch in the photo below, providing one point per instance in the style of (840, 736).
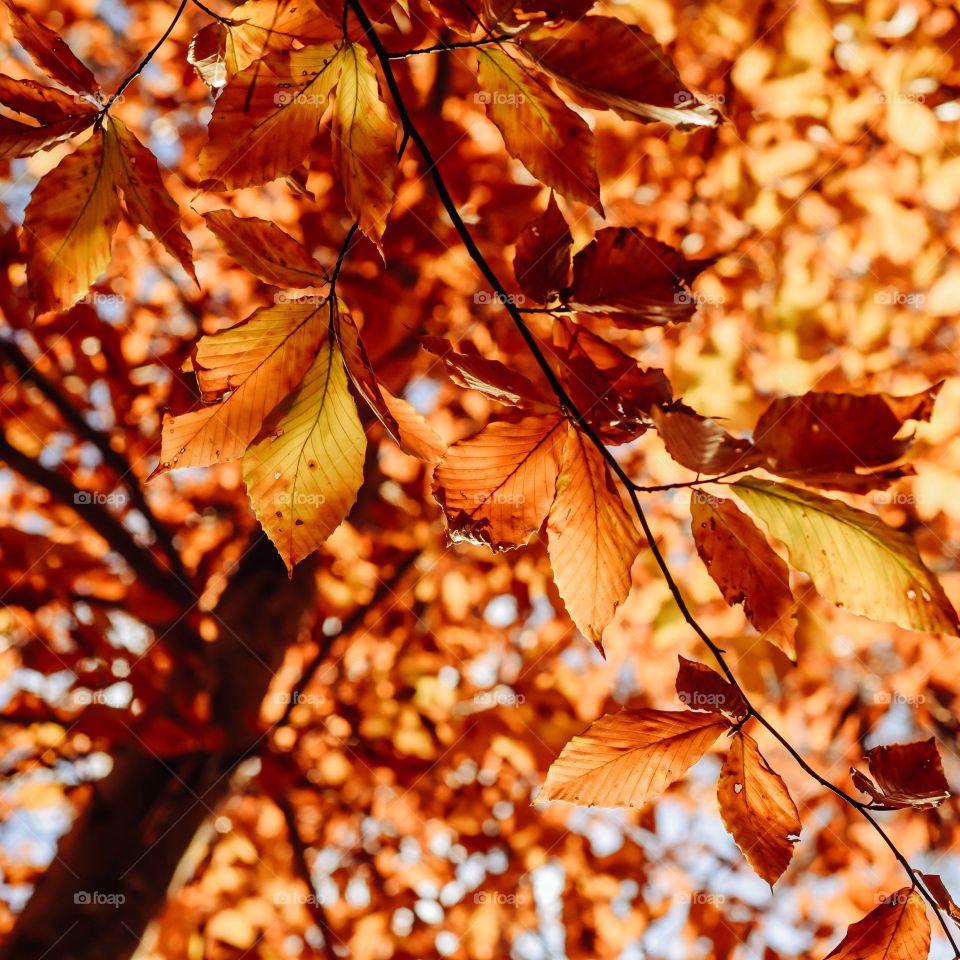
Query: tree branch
(573, 413)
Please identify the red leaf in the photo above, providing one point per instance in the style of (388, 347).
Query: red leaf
(542, 261)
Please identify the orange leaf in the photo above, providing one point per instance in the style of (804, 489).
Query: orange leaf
(542, 261)
(745, 567)
(364, 144)
(147, 199)
(701, 444)
(265, 250)
(757, 809)
(260, 360)
(896, 930)
(69, 223)
(700, 688)
(50, 52)
(552, 141)
(44, 104)
(592, 540)
(608, 64)
(906, 774)
(626, 759)
(497, 486)
(23, 140)
(267, 117)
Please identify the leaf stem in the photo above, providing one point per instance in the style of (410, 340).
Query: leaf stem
(572, 412)
(443, 47)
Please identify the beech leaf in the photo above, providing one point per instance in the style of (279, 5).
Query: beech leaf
(898, 929)
(541, 263)
(906, 775)
(701, 688)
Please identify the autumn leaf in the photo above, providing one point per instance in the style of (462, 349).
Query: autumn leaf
(633, 279)
(592, 542)
(69, 223)
(906, 775)
(608, 64)
(855, 560)
(497, 486)
(23, 140)
(940, 893)
(838, 440)
(490, 377)
(700, 688)
(744, 567)
(265, 250)
(50, 52)
(898, 929)
(267, 117)
(701, 444)
(618, 397)
(58, 117)
(541, 263)
(212, 54)
(364, 143)
(539, 129)
(258, 27)
(757, 809)
(146, 198)
(260, 360)
(304, 470)
(626, 759)
(407, 428)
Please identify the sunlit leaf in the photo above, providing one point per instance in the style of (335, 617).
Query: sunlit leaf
(898, 929)
(700, 688)
(542, 261)
(906, 775)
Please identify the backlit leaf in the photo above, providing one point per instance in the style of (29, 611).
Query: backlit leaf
(855, 560)
(69, 223)
(896, 930)
(906, 775)
(304, 470)
(364, 143)
(542, 261)
(701, 444)
(626, 759)
(757, 809)
(497, 486)
(700, 688)
(539, 129)
(260, 360)
(265, 250)
(592, 541)
(744, 566)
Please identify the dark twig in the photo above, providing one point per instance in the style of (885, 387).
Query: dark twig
(444, 47)
(216, 16)
(573, 413)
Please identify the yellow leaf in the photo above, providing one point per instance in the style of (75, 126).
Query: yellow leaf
(364, 144)
(626, 759)
(552, 141)
(497, 486)
(592, 540)
(268, 115)
(70, 222)
(757, 809)
(856, 560)
(146, 197)
(261, 360)
(305, 469)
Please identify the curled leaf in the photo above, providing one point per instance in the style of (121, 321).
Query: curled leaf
(906, 775)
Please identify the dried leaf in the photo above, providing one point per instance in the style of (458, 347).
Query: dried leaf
(906, 775)
(896, 930)
(701, 444)
(700, 688)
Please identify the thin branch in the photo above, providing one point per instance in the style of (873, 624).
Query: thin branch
(26, 370)
(216, 16)
(571, 410)
(142, 66)
(444, 47)
(659, 488)
(121, 541)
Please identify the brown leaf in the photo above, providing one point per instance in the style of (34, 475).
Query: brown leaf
(497, 486)
(745, 567)
(757, 809)
(906, 775)
(45, 104)
(50, 52)
(700, 688)
(896, 930)
(701, 444)
(942, 895)
(146, 197)
(541, 263)
(23, 140)
(265, 250)
(840, 441)
(608, 64)
(633, 279)
(592, 542)
(626, 759)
